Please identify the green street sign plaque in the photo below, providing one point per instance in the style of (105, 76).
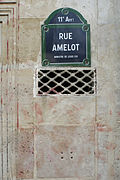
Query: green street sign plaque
(66, 39)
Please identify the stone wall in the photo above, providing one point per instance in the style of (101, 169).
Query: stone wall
(65, 137)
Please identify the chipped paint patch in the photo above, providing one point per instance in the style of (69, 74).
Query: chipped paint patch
(103, 128)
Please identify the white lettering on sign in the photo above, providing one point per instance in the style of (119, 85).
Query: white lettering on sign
(66, 56)
(60, 19)
(69, 19)
(63, 19)
(65, 47)
(65, 35)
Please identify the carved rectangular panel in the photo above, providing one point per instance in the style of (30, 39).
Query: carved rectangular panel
(65, 151)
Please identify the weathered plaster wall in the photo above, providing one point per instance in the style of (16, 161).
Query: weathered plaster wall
(58, 137)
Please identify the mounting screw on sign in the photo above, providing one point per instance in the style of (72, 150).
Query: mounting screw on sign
(66, 39)
(86, 62)
(46, 62)
(46, 28)
(85, 27)
(65, 11)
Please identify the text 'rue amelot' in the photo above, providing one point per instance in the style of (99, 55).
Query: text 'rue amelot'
(65, 47)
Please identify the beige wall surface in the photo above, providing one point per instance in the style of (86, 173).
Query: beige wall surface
(58, 137)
